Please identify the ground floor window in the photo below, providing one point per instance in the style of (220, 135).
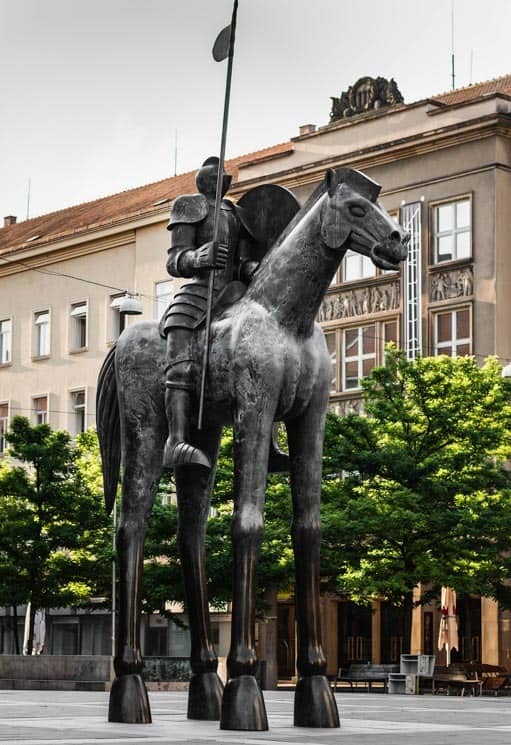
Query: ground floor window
(356, 350)
(452, 332)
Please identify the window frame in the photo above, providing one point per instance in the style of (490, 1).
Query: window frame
(454, 343)
(157, 315)
(73, 328)
(117, 321)
(360, 357)
(6, 419)
(34, 412)
(9, 335)
(73, 409)
(36, 353)
(338, 332)
(435, 234)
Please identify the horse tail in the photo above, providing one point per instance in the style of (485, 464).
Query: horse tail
(109, 428)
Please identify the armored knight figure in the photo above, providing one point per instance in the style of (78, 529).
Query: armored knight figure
(191, 227)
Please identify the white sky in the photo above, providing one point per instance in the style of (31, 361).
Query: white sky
(92, 91)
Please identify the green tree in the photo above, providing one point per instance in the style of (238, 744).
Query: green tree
(162, 571)
(54, 536)
(425, 497)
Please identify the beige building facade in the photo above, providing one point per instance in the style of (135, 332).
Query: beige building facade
(445, 168)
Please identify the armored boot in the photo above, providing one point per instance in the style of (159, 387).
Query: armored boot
(177, 451)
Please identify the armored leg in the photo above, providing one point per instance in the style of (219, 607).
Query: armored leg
(178, 390)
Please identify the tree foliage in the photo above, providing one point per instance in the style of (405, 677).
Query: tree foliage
(54, 535)
(425, 496)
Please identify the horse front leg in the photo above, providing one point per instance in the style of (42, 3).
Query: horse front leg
(243, 705)
(314, 702)
(128, 697)
(194, 486)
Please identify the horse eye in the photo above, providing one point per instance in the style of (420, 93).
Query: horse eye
(357, 211)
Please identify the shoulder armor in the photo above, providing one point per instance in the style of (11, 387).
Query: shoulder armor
(188, 209)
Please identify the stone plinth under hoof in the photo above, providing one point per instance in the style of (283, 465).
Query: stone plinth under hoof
(243, 705)
(205, 696)
(315, 704)
(129, 702)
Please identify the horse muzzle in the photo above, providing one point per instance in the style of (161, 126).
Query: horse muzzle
(389, 254)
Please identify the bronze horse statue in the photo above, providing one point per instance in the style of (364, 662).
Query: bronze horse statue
(268, 363)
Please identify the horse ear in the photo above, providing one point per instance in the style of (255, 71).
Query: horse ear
(332, 181)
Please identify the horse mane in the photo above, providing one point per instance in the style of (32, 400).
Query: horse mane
(308, 205)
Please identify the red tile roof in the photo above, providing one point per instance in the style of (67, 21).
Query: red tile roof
(470, 92)
(142, 200)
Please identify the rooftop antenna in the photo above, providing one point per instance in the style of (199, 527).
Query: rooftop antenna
(453, 77)
(28, 199)
(175, 152)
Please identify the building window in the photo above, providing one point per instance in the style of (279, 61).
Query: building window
(4, 425)
(78, 411)
(40, 409)
(363, 348)
(5, 341)
(452, 332)
(118, 319)
(359, 355)
(163, 296)
(42, 333)
(331, 343)
(356, 266)
(78, 338)
(452, 231)
(389, 333)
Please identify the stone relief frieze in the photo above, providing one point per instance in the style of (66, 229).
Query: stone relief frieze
(360, 302)
(451, 284)
(348, 406)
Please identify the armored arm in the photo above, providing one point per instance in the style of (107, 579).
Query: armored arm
(186, 259)
(181, 254)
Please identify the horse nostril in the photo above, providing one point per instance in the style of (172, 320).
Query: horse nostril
(395, 236)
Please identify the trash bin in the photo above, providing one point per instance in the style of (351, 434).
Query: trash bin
(397, 683)
(402, 683)
(417, 664)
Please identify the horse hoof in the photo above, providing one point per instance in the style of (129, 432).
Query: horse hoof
(243, 705)
(205, 696)
(314, 703)
(128, 701)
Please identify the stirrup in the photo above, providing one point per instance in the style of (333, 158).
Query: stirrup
(183, 454)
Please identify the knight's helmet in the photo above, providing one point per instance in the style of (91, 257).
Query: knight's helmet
(206, 178)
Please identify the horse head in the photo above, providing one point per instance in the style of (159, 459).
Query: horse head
(353, 218)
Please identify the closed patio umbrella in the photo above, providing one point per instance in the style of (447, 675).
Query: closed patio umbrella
(448, 634)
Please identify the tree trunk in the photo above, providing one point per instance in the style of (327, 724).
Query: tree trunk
(30, 642)
(15, 629)
(407, 623)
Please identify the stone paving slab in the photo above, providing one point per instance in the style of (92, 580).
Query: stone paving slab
(79, 718)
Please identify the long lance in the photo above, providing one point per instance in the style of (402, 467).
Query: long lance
(221, 50)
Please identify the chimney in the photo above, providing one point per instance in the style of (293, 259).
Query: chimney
(307, 129)
(9, 220)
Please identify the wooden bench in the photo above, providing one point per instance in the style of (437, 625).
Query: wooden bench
(366, 674)
(495, 678)
(456, 678)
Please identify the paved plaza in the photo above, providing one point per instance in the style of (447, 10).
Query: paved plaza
(75, 718)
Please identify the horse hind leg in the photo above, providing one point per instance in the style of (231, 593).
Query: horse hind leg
(129, 701)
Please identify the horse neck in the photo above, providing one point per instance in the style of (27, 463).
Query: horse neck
(295, 275)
